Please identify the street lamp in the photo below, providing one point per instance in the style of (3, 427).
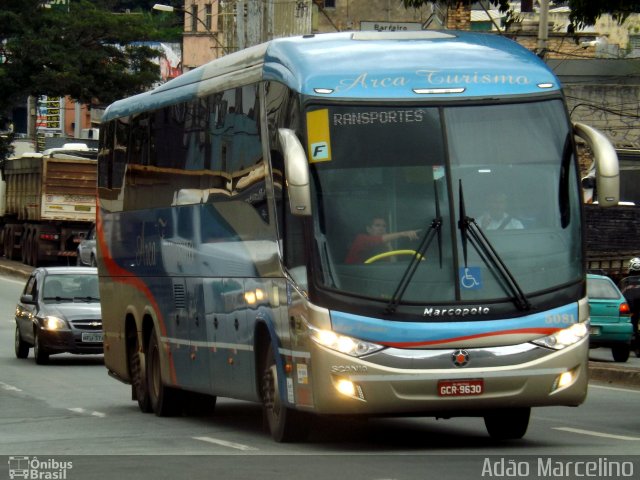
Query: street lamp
(168, 8)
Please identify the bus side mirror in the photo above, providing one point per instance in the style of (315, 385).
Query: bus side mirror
(296, 172)
(607, 173)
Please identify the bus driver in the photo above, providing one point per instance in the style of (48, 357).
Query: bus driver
(375, 241)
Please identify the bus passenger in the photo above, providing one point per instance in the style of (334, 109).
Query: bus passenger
(375, 241)
(496, 216)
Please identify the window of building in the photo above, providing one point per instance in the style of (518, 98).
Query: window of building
(194, 18)
(208, 16)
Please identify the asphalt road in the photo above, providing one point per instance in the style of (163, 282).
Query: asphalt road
(71, 411)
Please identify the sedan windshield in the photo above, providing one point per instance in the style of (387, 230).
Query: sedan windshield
(71, 287)
(393, 181)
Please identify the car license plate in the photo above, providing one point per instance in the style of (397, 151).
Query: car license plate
(594, 330)
(460, 388)
(93, 337)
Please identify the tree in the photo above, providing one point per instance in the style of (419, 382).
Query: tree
(583, 12)
(81, 50)
(502, 4)
(586, 12)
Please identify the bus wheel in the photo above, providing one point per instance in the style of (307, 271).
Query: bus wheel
(163, 399)
(285, 424)
(508, 424)
(138, 384)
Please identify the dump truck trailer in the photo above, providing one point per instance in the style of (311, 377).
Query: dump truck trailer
(47, 204)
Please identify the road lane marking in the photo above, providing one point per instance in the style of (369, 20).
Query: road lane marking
(596, 434)
(83, 411)
(224, 443)
(616, 389)
(10, 388)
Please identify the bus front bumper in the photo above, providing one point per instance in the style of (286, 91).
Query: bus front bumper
(347, 385)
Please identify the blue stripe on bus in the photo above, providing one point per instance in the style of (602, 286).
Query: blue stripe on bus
(435, 332)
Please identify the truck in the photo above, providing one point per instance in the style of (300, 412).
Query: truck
(611, 239)
(47, 203)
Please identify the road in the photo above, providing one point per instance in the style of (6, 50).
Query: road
(71, 411)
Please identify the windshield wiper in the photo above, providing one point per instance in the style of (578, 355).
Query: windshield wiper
(470, 232)
(87, 299)
(433, 231)
(58, 298)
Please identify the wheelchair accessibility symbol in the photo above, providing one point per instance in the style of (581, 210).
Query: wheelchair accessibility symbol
(470, 278)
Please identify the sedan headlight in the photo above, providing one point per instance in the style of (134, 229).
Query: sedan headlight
(565, 337)
(53, 323)
(344, 344)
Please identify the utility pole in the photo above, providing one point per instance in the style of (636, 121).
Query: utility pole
(543, 28)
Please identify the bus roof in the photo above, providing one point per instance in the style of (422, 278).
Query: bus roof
(366, 65)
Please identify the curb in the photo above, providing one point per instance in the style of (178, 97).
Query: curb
(627, 376)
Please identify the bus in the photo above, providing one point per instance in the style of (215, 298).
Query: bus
(230, 196)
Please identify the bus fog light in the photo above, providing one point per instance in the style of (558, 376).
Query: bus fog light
(565, 379)
(349, 389)
(346, 387)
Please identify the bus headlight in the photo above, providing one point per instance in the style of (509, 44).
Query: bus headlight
(565, 337)
(344, 344)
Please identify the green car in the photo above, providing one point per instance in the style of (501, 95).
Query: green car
(610, 317)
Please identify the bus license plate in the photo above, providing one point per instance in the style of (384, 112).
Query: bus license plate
(460, 388)
(92, 337)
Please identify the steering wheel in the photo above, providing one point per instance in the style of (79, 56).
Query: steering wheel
(393, 253)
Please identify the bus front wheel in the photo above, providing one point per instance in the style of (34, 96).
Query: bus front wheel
(508, 424)
(285, 424)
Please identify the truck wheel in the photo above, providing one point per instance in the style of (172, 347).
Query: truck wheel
(8, 242)
(285, 424)
(25, 242)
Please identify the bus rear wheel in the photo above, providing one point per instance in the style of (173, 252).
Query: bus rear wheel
(164, 400)
(138, 384)
(285, 424)
(508, 424)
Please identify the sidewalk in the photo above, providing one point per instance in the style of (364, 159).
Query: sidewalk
(619, 374)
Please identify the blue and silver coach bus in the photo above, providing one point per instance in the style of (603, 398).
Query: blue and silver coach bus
(230, 199)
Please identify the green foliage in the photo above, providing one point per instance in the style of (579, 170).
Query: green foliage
(85, 51)
(503, 5)
(583, 12)
(586, 12)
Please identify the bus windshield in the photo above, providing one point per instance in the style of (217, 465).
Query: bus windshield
(384, 176)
